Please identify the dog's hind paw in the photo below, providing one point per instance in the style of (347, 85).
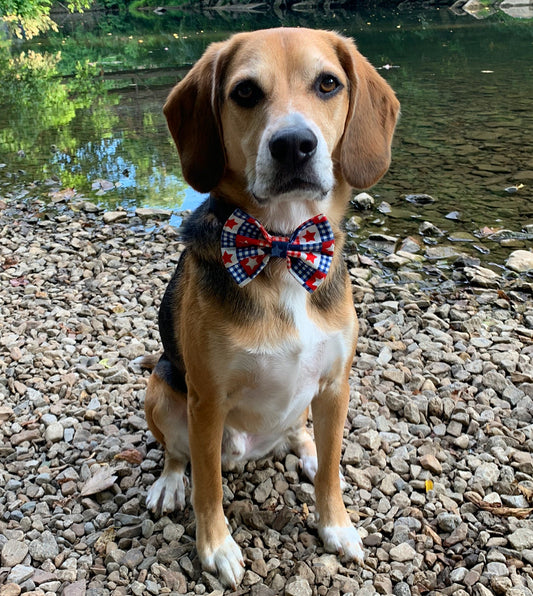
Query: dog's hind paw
(309, 466)
(167, 494)
(343, 540)
(225, 562)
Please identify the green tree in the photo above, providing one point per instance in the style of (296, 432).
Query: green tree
(27, 18)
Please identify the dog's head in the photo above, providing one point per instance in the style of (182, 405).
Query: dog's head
(282, 114)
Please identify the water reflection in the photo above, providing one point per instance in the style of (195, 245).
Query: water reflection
(464, 136)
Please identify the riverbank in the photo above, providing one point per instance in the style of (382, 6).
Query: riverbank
(437, 449)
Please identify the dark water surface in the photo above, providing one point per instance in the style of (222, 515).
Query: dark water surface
(466, 88)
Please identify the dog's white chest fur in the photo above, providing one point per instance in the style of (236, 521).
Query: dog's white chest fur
(282, 380)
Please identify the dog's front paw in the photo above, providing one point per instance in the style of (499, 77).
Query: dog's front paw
(167, 493)
(343, 540)
(224, 561)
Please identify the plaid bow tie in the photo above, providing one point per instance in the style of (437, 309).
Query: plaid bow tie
(247, 247)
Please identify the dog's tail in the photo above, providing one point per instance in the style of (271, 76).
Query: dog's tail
(147, 362)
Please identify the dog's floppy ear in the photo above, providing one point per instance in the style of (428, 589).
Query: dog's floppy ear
(372, 115)
(192, 116)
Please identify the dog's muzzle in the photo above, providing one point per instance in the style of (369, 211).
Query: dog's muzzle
(293, 161)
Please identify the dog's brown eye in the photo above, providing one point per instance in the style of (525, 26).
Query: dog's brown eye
(327, 85)
(246, 94)
(244, 91)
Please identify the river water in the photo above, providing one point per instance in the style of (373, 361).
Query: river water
(93, 120)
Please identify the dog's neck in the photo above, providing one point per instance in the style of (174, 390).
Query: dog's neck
(221, 208)
(279, 218)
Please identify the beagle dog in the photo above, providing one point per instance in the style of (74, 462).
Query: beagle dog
(258, 322)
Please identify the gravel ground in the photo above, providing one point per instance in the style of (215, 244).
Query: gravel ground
(438, 440)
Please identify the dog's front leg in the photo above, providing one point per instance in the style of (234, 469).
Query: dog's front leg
(330, 408)
(217, 550)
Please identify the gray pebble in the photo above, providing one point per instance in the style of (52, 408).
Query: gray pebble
(44, 547)
(13, 553)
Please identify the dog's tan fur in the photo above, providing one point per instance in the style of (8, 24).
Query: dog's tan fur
(218, 337)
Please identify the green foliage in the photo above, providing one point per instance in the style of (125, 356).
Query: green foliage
(26, 9)
(28, 18)
(35, 8)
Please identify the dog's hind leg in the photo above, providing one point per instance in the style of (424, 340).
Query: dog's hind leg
(166, 414)
(302, 444)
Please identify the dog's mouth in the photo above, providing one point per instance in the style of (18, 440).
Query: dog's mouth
(293, 188)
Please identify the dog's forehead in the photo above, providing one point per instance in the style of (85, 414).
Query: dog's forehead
(301, 53)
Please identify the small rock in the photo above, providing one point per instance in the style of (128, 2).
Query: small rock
(458, 574)
(394, 375)
(353, 454)
(471, 578)
(89, 207)
(119, 377)
(20, 573)
(402, 589)
(132, 558)
(10, 589)
(262, 492)
(447, 522)
(77, 588)
(481, 590)
(520, 261)
(496, 569)
(426, 228)
(495, 380)
(13, 553)
(25, 435)
(44, 547)
(454, 215)
(5, 413)
(173, 532)
(305, 493)
(132, 350)
(487, 474)
(402, 552)
(175, 580)
(521, 539)
(363, 201)
(54, 432)
(329, 562)
(51, 586)
(482, 277)
(370, 440)
(383, 584)
(152, 213)
(114, 216)
(431, 463)
(458, 535)
(298, 587)
(419, 199)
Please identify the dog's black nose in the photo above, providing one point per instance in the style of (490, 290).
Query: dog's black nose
(293, 146)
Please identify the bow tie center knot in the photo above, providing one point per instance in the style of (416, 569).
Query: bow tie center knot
(279, 248)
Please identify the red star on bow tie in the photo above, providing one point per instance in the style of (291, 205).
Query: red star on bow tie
(226, 257)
